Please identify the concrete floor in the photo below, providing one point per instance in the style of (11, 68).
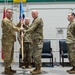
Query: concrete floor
(56, 70)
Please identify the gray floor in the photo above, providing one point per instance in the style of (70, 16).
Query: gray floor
(56, 70)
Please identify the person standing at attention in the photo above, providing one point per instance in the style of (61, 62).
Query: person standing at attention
(70, 40)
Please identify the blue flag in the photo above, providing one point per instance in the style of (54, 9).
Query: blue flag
(21, 9)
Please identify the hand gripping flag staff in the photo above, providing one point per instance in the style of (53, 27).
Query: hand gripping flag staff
(22, 18)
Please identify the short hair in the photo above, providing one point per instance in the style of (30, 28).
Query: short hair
(34, 11)
(72, 13)
(8, 9)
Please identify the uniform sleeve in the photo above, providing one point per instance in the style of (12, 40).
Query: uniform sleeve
(33, 26)
(6, 25)
(26, 27)
(18, 24)
(11, 25)
(2, 24)
(19, 37)
(16, 29)
(73, 28)
(74, 25)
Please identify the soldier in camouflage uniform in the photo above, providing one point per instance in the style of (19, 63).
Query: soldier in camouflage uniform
(36, 30)
(8, 39)
(70, 40)
(26, 42)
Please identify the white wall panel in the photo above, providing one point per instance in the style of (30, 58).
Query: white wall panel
(54, 16)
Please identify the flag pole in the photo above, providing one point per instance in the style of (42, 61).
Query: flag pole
(4, 12)
(21, 35)
(22, 42)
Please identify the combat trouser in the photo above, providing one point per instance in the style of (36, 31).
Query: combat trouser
(8, 50)
(27, 58)
(36, 50)
(71, 53)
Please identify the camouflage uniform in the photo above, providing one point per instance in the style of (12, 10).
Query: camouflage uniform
(71, 42)
(36, 30)
(26, 42)
(8, 39)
